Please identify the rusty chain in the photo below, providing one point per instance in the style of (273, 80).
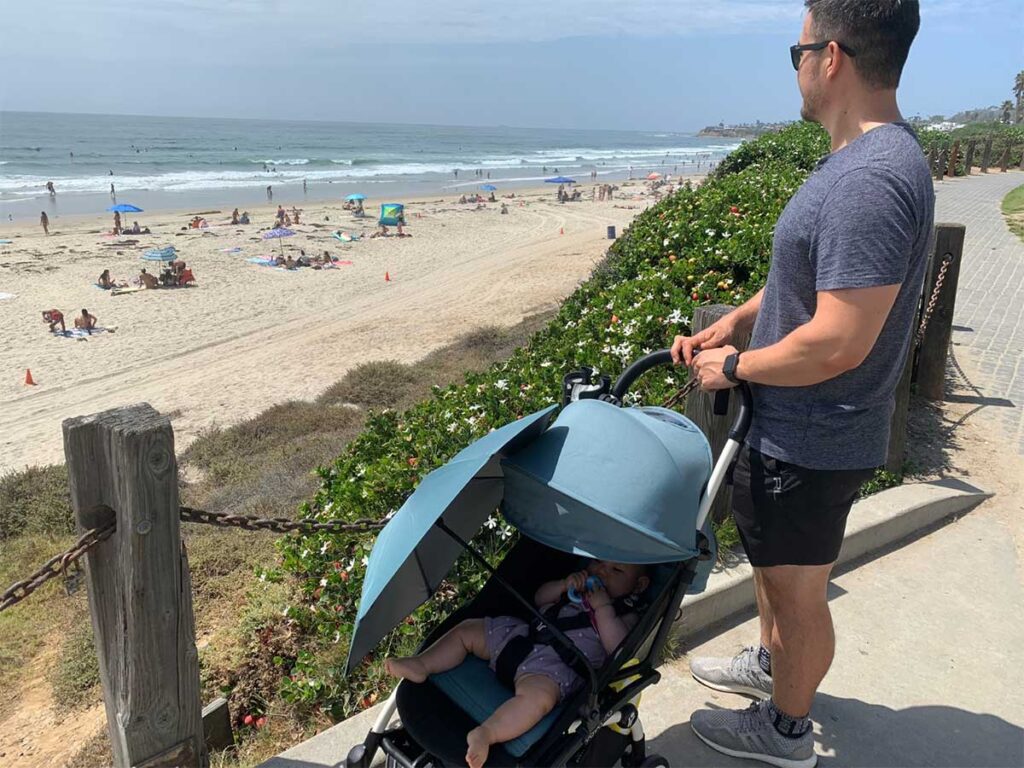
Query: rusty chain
(681, 394)
(278, 524)
(930, 306)
(56, 566)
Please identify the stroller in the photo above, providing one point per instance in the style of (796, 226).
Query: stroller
(602, 481)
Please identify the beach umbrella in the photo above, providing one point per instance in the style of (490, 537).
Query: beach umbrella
(124, 208)
(356, 196)
(167, 253)
(560, 180)
(653, 176)
(277, 233)
(489, 188)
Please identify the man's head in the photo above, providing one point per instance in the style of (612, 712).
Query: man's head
(868, 44)
(85, 312)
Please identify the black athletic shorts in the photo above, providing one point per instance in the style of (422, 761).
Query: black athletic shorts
(791, 515)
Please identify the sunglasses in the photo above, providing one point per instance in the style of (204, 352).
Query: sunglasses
(796, 52)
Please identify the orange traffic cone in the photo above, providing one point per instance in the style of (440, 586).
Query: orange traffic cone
(387, 277)
(29, 381)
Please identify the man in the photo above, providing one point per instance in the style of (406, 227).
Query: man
(54, 317)
(831, 332)
(86, 322)
(44, 220)
(148, 280)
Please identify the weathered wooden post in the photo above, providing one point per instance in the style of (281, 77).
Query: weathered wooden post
(699, 405)
(121, 465)
(969, 161)
(931, 357)
(986, 155)
(939, 171)
(933, 159)
(1004, 161)
(954, 155)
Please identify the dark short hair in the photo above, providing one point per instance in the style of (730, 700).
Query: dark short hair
(879, 31)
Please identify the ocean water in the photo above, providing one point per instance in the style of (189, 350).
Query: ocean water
(180, 162)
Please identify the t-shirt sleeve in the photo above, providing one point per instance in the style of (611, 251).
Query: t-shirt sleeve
(866, 232)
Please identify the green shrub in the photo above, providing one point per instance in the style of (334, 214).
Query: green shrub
(703, 245)
(1002, 136)
(36, 500)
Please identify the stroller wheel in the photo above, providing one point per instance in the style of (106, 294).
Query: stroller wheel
(654, 761)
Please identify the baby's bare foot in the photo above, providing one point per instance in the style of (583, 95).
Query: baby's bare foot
(479, 745)
(409, 668)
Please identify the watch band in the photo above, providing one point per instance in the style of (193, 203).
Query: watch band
(729, 367)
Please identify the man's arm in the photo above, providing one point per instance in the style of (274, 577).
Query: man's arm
(839, 337)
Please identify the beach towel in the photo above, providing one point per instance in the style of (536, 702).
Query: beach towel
(126, 289)
(6, 242)
(345, 237)
(268, 263)
(236, 249)
(81, 334)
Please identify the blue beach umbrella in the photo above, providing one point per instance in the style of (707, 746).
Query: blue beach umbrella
(124, 208)
(560, 180)
(167, 253)
(356, 196)
(412, 555)
(276, 234)
(489, 188)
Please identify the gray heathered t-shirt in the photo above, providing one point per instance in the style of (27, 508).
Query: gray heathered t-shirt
(863, 218)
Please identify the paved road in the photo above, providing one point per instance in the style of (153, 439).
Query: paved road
(990, 298)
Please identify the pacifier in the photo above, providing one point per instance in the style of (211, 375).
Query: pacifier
(592, 583)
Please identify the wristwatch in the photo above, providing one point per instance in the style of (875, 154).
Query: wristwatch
(729, 367)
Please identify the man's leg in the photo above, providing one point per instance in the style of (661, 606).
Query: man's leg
(803, 641)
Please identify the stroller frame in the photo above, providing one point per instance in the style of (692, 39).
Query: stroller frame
(575, 738)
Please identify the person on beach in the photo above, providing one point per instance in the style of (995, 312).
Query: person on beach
(295, 214)
(147, 280)
(270, 192)
(44, 220)
(280, 216)
(117, 223)
(303, 186)
(50, 188)
(609, 594)
(54, 317)
(86, 322)
(831, 330)
(104, 280)
(112, 193)
(244, 218)
(234, 216)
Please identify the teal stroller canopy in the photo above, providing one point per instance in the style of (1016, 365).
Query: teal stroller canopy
(620, 484)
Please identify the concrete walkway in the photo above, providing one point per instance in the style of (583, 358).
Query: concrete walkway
(927, 669)
(989, 337)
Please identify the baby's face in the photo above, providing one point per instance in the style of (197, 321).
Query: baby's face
(620, 579)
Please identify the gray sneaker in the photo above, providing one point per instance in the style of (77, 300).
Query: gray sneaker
(749, 733)
(740, 674)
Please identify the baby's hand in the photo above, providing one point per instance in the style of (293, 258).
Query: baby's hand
(599, 598)
(577, 581)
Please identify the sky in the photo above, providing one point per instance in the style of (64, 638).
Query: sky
(610, 64)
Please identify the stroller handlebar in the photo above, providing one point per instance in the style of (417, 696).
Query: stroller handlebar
(721, 403)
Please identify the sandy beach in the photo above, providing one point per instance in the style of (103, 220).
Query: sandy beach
(249, 336)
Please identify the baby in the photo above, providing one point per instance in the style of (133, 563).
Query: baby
(542, 679)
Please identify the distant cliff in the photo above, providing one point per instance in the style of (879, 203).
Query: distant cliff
(742, 131)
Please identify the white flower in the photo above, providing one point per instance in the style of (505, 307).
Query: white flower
(492, 523)
(546, 364)
(669, 380)
(709, 232)
(263, 576)
(285, 611)
(365, 561)
(323, 582)
(305, 553)
(324, 547)
(337, 636)
(452, 427)
(501, 384)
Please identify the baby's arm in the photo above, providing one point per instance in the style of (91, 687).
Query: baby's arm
(552, 591)
(612, 628)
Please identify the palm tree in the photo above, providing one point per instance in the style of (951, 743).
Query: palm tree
(1007, 109)
(1018, 90)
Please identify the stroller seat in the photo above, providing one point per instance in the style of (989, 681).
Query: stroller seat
(475, 688)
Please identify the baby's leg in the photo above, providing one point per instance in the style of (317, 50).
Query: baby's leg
(536, 695)
(447, 653)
